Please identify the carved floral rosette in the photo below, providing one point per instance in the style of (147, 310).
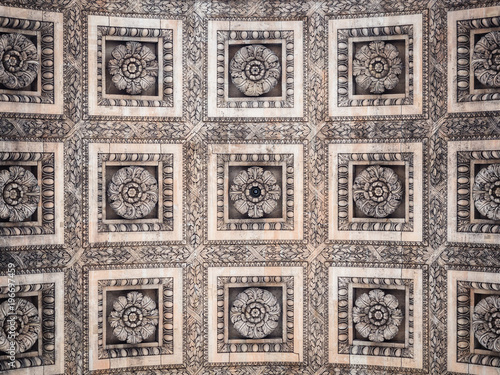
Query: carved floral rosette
(18, 61)
(377, 191)
(486, 59)
(255, 313)
(486, 322)
(376, 316)
(134, 318)
(255, 70)
(133, 192)
(19, 194)
(377, 67)
(20, 320)
(134, 67)
(486, 191)
(254, 192)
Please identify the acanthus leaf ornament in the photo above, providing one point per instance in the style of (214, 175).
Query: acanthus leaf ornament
(486, 191)
(255, 192)
(18, 61)
(134, 67)
(19, 324)
(133, 192)
(486, 59)
(486, 322)
(255, 70)
(377, 191)
(255, 313)
(376, 316)
(377, 67)
(134, 318)
(19, 194)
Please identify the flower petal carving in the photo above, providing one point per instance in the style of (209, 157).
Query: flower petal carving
(255, 192)
(18, 61)
(133, 192)
(23, 317)
(377, 316)
(134, 318)
(486, 322)
(377, 191)
(255, 313)
(377, 67)
(255, 70)
(19, 194)
(133, 68)
(486, 191)
(486, 59)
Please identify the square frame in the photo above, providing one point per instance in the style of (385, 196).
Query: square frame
(341, 277)
(290, 353)
(47, 27)
(48, 159)
(168, 159)
(462, 25)
(168, 35)
(462, 157)
(48, 289)
(168, 279)
(341, 157)
(291, 34)
(462, 285)
(341, 34)
(257, 230)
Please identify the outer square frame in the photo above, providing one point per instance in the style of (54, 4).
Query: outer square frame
(461, 157)
(415, 360)
(49, 157)
(139, 276)
(212, 231)
(261, 270)
(49, 28)
(461, 24)
(49, 284)
(261, 109)
(170, 106)
(132, 153)
(375, 153)
(461, 287)
(383, 107)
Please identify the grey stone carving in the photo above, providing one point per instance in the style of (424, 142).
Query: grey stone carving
(18, 61)
(377, 67)
(133, 67)
(134, 318)
(486, 191)
(377, 316)
(486, 59)
(377, 191)
(255, 192)
(255, 313)
(486, 322)
(255, 70)
(26, 325)
(133, 192)
(19, 194)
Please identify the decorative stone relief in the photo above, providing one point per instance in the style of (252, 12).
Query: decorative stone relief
(259, 190)
(254, 314)
(377, 66)
(20, 194)
(31, 62)
(474, 191)
(486, 322)
(377, 316)
(19, 61)
(474, 65)
(26, 322)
